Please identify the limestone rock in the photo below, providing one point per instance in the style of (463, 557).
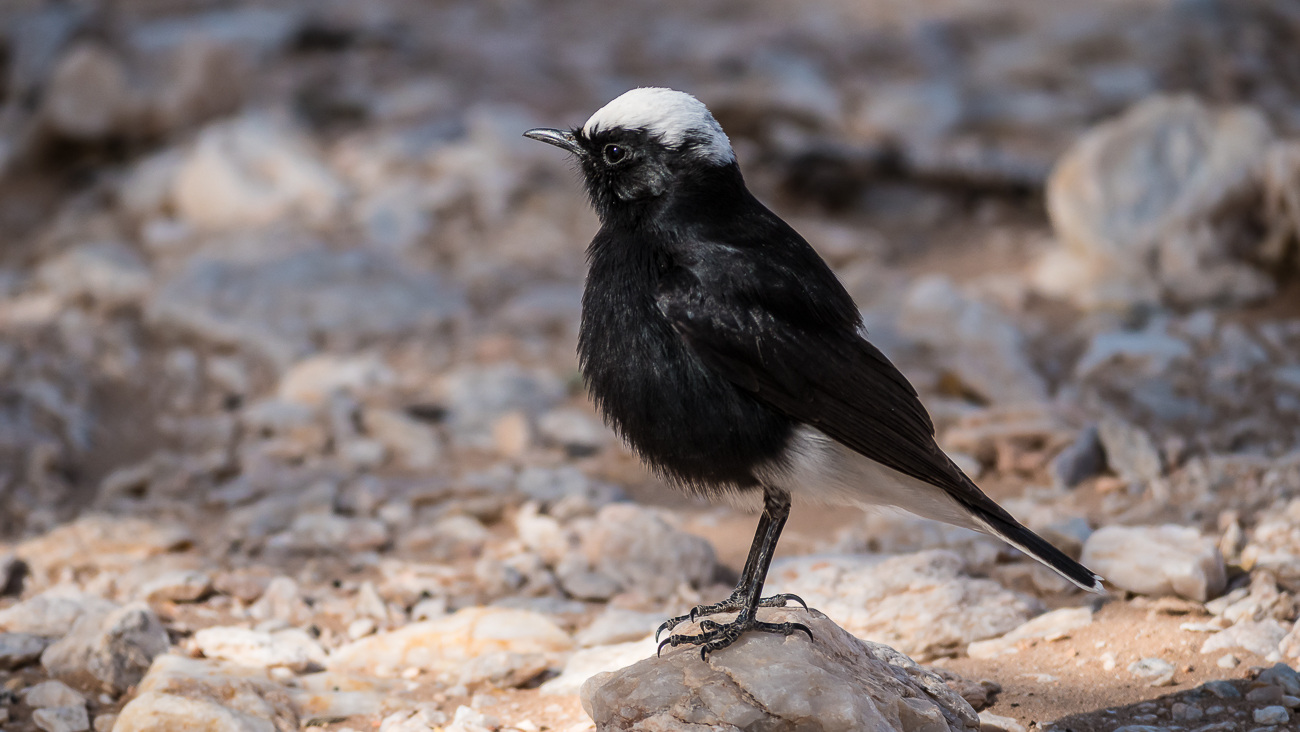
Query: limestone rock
(20, 649)
(283, 307)
(977, 342)
(921, 603)
(101, 542)
(1137, 201)
(1259, 637)
(291, 648)
(116, 648)
(634, 547)
(183, 693)
(1157, 560)
(252, 171)
(1049, 626)
(766, 681)
(445, 644)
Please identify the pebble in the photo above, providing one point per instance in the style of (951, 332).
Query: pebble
(1158, 671)
(1157, 560)
(21, 649)
(770, 681)
(638, 548)
(52, 694)
(1222, 689)
(1259, 637)
(1228, 660)
(990, 722)
(178, 586)
(291, 648)
(62, 719)
(1271, 715)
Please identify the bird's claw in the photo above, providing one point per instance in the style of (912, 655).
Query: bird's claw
(733, 604)
(716, 636)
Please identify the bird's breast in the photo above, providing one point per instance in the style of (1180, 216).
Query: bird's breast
(685, 420)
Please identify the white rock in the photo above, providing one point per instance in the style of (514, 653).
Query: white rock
(447, 643)
(990, 722)
(52, 694)
(284, 307)
(53, 613)
(20, 649)
(62, 719)
(1259, 637)
(639, 548)
(414, 443)
(115, 648)
(291, 648)
(923, 603)
(321, 531)
(1054, 625)
(106, 271)
(1157, 560)
(252, 171)
(588, 662)
(975, 340)
(186, 585)
(312, 381)
(1130, 451)
(1135, 199)
(87, 97)
(1159, 671)
(184, 693)
(836, 682)
(573, 430)
(616, 625)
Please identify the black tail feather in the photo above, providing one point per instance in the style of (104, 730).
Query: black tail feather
(1010, 531)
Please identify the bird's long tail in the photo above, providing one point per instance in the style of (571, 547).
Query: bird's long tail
(1012, 532)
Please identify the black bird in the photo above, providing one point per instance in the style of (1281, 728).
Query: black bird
(722, 348)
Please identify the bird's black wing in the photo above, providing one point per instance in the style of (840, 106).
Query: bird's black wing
(761, 330)
(777, 324)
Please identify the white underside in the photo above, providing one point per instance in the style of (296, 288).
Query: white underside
(818, 469)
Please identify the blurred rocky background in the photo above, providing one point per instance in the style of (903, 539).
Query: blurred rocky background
(291, 431)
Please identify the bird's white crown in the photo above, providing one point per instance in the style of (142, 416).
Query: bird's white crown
(670, 115)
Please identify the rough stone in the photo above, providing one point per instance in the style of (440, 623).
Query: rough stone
(1157, 560)
(291, 648)
(115, 648)
(975, 341)
(1259, 637)
(107, 272)
(1054, 625)
(638, 548)
(182, 693)
(313, 381)
(99, 542)
(1130, 451)
(413, 443)
(252, 171)
(283, 307)
(20, 649)
(837, 682)
(185, 585)
(48, 694)
(445, 644)
(589, 662)
(1157, 671)
(921, 603)
(53, 613)
(1135, 203)
(62, 719)
(1275, 714)
(1081, 460)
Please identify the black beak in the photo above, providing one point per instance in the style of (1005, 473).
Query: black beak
(559, 138)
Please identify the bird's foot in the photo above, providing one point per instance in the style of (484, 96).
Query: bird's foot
(733, 604)
(717, 636)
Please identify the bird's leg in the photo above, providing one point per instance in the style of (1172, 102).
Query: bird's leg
(745, 598)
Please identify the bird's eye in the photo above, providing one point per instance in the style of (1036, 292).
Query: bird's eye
(615, 154)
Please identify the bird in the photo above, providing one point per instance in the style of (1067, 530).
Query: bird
(720, 346)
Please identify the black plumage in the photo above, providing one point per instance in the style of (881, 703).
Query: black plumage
(725, 351)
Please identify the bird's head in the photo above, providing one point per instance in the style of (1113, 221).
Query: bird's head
(643, 145)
